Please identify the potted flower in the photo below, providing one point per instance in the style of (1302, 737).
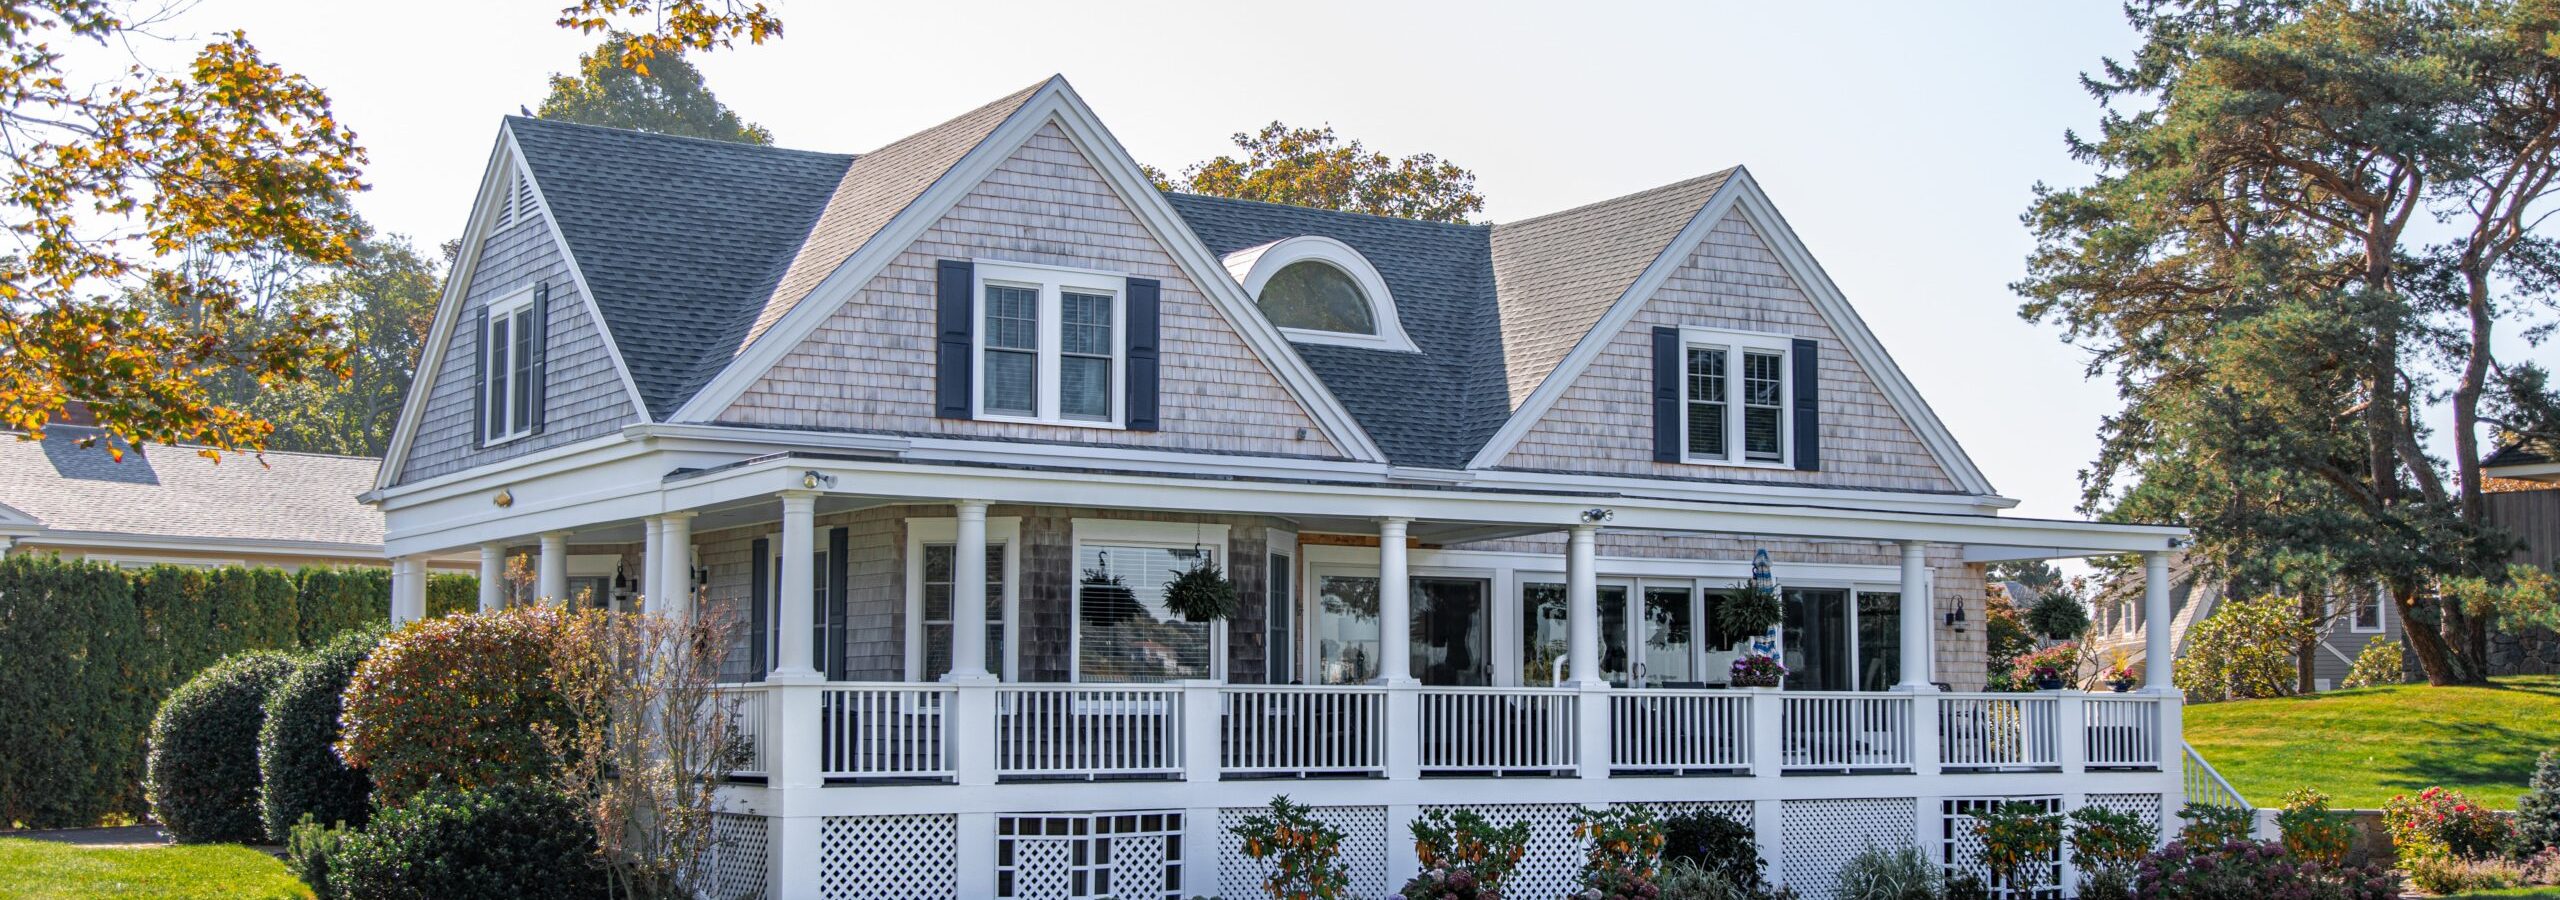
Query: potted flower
(1752, 609)
(1201, 593)
(1757, 670)
(2048, 678)
(2120, 674)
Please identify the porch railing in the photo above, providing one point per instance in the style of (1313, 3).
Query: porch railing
(745, 706)
(1999, 731)
(886, 731)
(1680, 731)
(1498, 731)
(1296, 730)
(1845, 732)
(2122, 732)
(1071, 731)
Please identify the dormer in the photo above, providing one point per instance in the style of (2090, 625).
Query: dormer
(1318, 290)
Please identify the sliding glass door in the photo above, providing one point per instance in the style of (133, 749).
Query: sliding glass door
(1654, 645)
(1450, 635)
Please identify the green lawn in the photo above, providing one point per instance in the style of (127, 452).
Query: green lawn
(2363, 746)
(43, 870)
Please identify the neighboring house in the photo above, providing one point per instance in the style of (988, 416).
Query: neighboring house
(171, 504)
(927, 429)
(2523, 495)
(2118, 620)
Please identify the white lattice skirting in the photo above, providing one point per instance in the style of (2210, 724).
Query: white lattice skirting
(737, 863)
(1364, 850)
(1817, 837)
(888, 857)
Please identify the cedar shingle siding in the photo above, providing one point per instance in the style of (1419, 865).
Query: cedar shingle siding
(587, 398)
(1603, 423)
(871, 366)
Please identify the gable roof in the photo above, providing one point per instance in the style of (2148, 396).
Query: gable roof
(1556, 275)
(680, 239)
(165, 491)
(2522, 453)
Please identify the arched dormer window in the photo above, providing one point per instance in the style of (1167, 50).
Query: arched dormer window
(1320, 291)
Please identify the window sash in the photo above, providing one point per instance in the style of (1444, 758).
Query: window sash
(936, 612)
(507, 371)
(1123, 633)
(1048, 346)
(1734, 395)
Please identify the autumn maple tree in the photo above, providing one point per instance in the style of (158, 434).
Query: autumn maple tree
(1316, 167)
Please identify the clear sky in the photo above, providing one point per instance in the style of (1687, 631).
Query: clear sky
(1901, 140)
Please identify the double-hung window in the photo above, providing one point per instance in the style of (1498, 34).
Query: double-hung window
(1050, 345)
(507, 374)
(1735, 397)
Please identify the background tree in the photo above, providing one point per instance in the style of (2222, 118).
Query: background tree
(2036, 574)
(1315, 167)
(386, 297)
(666, 97)
(2242, 266)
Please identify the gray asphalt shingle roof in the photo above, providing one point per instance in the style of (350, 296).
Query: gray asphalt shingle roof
(172, 491)
(1556, 274)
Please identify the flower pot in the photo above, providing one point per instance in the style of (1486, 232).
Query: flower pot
(2121, 686)
(2048, 684)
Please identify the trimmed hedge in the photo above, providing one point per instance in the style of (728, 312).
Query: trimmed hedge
(499, 842)
(299, 771)
(455, 703)
(204, 750)
(88, 651)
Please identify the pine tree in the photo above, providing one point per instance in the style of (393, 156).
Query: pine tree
(666, 96)
(2538, 811)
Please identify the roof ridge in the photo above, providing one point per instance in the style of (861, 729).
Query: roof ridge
(660, 135)
(1725, 172)
(53, 429)
(1469, 226)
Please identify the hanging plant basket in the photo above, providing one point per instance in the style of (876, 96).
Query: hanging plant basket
(1750, 612)
(1201, 593)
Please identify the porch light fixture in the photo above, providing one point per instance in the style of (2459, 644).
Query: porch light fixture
(1597, 515)
(1955, 619)
(814, 479)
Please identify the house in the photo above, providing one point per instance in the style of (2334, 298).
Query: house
(2118, 623)
(929, 428)
(2522, 492)
(172, 504)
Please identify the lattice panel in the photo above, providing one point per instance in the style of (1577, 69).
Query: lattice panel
(2147, 807)
(1817, 837)
(1120, 855)
(737, 860)
(1364, 850)
(1737, 810)
(888, 857)
(1554, 859)
(1960, 851)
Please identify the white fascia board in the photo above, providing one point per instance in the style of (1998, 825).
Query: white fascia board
(118, 540)
(1745, 492)
(457, 284)
(578, 276)
(745, 442)
(2541, 471)
(2000, 553)
(1054, 102)
(1742, 193)
(538, 464)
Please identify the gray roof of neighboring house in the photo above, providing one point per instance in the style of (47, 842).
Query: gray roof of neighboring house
(694, 248)
(175, 492)
(2523, 453)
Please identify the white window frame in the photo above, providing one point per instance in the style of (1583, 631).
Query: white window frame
(1735, 344)
(506, 309)
(1282, 546)
(1254, 267)
(1139, 533)
(2381, 615)
(1052, 282)
(1004, 530)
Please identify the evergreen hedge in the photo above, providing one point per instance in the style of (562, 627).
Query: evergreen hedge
(88, 651)
(204, 750)
(299, 772)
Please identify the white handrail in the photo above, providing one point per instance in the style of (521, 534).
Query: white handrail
(885, 731)
(1300, 730)
(2205, 786)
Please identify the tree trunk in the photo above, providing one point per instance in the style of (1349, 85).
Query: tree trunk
(2425, 642)
(2307, 656)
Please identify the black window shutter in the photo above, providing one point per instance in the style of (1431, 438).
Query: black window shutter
(1145, 299)
(759, 596)
(541, 368)
(1666, 394)
(1808, 390)
(954, 285)
(485, 357)
(839, 544)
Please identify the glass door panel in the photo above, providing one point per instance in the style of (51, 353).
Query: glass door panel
(1816, 638)
(1545, 630)
(1346, 629)
(1879, 640)
(1613, 633)
(1669, 631)
(1452, 632)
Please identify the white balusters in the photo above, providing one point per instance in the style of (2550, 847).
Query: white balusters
(1069, 731)
(1845, 732)
(1291, 730)
(886, 731)
(1998, 731)
(2123, 731)
(745, 706)
(1680, 731)
(1497, 730)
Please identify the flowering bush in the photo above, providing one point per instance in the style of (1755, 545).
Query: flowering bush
(2311, 831)
(2252, 870)
(1305, 855)
(1757, 670)
(1626, 845)
(457, 702)
(2105, 842)
(2213, 825)
(1463, 856)
(2020, 844)
(2244, 650)
(1716, 844)
(2378, 664)
(2444, 823)
(2059, 661)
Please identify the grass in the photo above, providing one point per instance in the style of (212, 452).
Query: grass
(43, 870)
(2363, 746)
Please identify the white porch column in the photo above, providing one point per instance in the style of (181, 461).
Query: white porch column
(1395, 606)
(652, 542)
(792, 614)
(2157, 653)
(675, 566)
(969, 593)
(493, 577)
(1582, 606)
(552, 579)
(408, 590)
(1919, 653)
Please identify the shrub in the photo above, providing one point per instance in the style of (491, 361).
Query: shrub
(1462, 855)
(2058, 615)
(2311, 831)
(2444, 823)
(650, 740)
(2107, 846)
(2538, 810)
(2377, 664)
(2244, 650)
(504, 841)
(204, 750)
(2212, 825)
(2449, 875)
(451, 593)
(2252, 870)
(1880, 874)
(76, 696)
(300, 774)
(1717, 844)
(2020, 843)
(1686, 879)
(2063, 659)
(1304, 854)
(1625, 849)
(329, 600)
(308, 848)
(459, 701)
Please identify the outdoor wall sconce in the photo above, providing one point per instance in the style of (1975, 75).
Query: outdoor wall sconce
(1597, 515)
(1955, 619)
(504, 498)
(814, 479)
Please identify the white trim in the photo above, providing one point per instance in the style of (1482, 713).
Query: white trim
(1058, 103)
(1741, 193)
(1052, 284)
(594, 565)
(1253, 267)
(2381, 616)
(2541, 471)
(195, 544)
(1001, 530)
(1735, 345)
(1143, 533)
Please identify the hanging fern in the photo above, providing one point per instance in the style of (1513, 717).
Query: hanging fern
(1201, 593)
(1750, 611)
